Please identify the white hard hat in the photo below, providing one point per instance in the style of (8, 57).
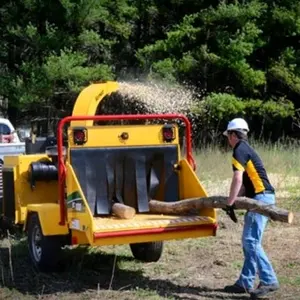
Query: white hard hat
(237, 124)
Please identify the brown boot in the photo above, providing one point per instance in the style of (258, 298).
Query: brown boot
(262, 290)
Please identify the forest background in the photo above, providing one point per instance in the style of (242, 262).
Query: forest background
(241, 58)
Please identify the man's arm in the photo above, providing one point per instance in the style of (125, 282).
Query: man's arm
(236, 184)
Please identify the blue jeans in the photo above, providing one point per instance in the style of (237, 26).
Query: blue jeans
(255, 259)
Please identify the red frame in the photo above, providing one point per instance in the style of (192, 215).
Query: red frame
(61, 164)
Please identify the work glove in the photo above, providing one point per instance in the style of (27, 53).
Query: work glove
(229, 209)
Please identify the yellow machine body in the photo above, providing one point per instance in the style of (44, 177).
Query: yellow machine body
(83, 194)
(19, 197)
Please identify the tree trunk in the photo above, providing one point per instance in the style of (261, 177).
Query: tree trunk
(195, 204)
(123, 211)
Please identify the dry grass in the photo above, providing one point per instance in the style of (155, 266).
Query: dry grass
(189, 269)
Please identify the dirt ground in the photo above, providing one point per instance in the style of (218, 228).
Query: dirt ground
(189, 269)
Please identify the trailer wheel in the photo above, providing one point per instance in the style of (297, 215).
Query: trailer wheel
(147, 252)
(44, 251)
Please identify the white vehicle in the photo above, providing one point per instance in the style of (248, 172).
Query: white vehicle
(10, 143)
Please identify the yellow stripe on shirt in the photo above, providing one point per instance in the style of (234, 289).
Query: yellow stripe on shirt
(253, 175)
(237, 165)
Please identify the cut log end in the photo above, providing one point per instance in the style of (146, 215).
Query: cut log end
(290, 217)
(123, 211)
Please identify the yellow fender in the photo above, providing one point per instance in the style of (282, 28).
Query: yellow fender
(89, 99)
(49, 217)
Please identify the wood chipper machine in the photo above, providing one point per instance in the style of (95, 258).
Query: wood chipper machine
(62, 191)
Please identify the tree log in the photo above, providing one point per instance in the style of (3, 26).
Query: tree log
(123, 211)
(195, 204)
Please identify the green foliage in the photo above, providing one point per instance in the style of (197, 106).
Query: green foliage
(226, 106)
(243, 55)
(223, 37)
(58, 49)
(164, 68)
(215, 110)
(287, 69)
(223, 106)
(69, 69)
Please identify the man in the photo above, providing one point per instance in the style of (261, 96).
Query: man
(250, 176)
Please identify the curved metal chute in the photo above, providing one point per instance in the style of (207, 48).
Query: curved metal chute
(89, 99)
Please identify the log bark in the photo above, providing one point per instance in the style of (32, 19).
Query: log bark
(123, 211)
(185, 206)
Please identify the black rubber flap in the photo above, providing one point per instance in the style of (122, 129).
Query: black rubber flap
(156, 173)
(126, 175)
(130, 193)
(141, 184)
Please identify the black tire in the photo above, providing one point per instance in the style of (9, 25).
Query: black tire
(44, 251)
(147, 252)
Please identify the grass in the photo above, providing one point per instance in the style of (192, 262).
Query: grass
(189, 269)
(214, 163)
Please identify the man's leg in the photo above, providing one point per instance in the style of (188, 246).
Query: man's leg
(249, 241)
(268, 279)
(266, 272)
(245, 283)
(255, 257)
(267, 276)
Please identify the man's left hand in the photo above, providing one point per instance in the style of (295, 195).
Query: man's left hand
(230, 212)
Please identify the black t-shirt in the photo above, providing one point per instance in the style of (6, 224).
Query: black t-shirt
(255, 178)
